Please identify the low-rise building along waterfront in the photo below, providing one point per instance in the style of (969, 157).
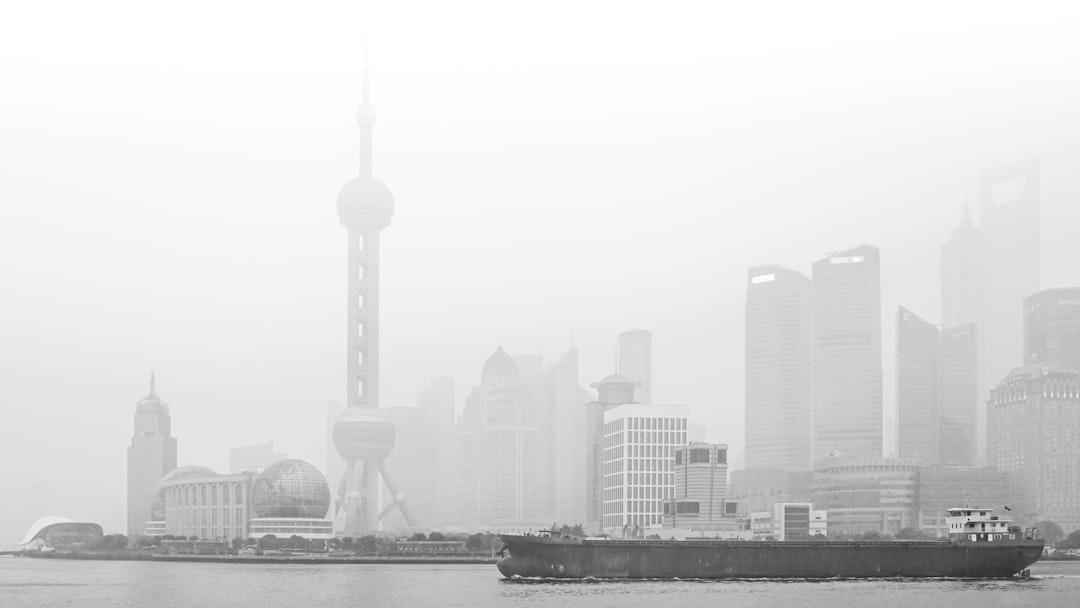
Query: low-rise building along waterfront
(289, 497)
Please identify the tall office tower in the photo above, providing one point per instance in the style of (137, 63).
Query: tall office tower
(423, 431)
(635, 360)
(613, 391)
(916, 387)
(639, 465)
(847, 397)
(701, 486)
(965, 259)
(363, 435)
(558, 394)
(438, 400)
(1034, 420)
(1009, 217)
(1052, 327)
(503, 451)
(958, 395)
(778, 370)
(151, 455)
(253, 457)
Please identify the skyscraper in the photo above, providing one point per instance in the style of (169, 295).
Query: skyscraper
(503, 452)
(1009, 217)
(986, 272)
(363, 435)
(1033, 426)
(916, 388)
(612, 391)
(846, 334)
(151, 455)
(635, 360)
(778, 370)
(958, 395)
(1052, 327)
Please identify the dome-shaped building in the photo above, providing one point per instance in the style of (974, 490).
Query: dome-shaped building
(500, 369)
(157, 497)
(290, 488)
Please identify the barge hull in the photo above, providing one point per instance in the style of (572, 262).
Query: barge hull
(555, 558)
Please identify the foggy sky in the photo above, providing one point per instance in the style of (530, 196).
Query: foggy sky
(168, 179)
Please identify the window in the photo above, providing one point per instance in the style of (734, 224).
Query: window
(699, 455)
(678, 458)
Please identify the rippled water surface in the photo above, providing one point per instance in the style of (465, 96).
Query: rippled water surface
(49, 583)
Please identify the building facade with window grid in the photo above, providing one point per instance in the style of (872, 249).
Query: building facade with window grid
(1034, 436)
(639, 465)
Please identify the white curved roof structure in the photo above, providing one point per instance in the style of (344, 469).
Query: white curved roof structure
(41, 524)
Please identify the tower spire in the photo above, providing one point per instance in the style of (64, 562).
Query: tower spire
(152, 384)
(365, 118)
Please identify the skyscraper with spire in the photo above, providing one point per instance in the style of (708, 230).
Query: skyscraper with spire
(363, 435)
(151, 455)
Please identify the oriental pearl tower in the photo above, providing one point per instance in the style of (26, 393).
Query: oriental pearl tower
(363, 435)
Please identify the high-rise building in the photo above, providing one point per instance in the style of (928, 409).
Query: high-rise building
(1009, 217)
(503, 450)
(936, 391)
(1052, 327)
(434, 483)
(253, 457)
(846, 334)
(363, 435)
(701, 487)
(778, 369)
(635, 360)
(612, 391)
(151, 455)
(1034, 423)
(916, 388)
(639, 465)
(958, 395)
(557, 392)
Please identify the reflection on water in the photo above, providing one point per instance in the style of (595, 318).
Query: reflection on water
(48, 583)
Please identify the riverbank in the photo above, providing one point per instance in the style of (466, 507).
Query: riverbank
(261, 559)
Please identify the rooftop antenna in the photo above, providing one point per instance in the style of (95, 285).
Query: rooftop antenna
(967, 500)
(152, 383)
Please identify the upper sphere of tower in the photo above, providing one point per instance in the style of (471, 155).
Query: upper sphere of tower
(365, 202)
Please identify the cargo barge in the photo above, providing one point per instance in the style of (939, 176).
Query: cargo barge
(979, 545)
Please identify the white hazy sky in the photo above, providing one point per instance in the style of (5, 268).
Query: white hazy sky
(168, 177)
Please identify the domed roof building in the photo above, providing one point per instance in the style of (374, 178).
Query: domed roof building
(500, 369)
(289, 497)
(290, 488)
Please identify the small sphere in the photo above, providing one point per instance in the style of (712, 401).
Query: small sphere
(364, 433)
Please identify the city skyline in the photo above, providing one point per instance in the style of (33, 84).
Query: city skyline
(169, 211)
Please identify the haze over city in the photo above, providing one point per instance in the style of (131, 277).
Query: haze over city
(560, 175)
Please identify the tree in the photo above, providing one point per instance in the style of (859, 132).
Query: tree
(237, 542)
(418, 536)
(1071, 542)
(436, 536)
(1050, 531)
(267, 541)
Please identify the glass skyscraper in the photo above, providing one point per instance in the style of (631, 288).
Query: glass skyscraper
(846, 338)
(778, 376)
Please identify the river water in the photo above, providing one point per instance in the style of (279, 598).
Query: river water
(51, 583)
